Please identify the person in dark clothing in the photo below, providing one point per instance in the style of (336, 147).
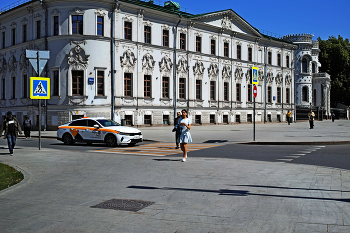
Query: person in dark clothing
(12, 128)
(177, 129)
(27, 123)
(333, 116)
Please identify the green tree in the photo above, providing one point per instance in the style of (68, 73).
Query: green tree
(335, 60)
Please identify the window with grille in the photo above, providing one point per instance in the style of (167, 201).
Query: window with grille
(100, 83)
(250, 54)
(24, 33)
(269, 58)
(238, 92)
(225, 91)
(212, 47)
(165, 87)
(166, 120)
(269, 93)
(127, 30)
(212, 119)
(198, 44)
(13, 36)
(287, 96)
(13, 96)
(77, 82)
(225, 119)
(226, 49)
(238, 118)
(239, 52)
(287, 61)
(249, 92)
(197, 119)
(128, 84)
(25, 86)
(55, 83)
(182, 88)
(147, 86)
(166, 38)
(77, 24)
(147, 34)
(128, 120)
(55, 26)
(279, 59)
(147, 120)
(198, 89)
(249, 118)
(183, 41)
(100, 25)
(212, 90)
(278, 95)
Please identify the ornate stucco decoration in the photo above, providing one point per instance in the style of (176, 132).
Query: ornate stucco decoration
(37, 17)
(238, 74)
(100, 12)
(198, 33)
(128, 18)
(226, 72)
(148, 23)
(239, 42)
(140, 13)
(212, 37)
(148, 64)
(183, 30)
(128, 61)
(288, 80)
(3, 66)
(3, 28)
(77, 11)
(226, 22)
(77, 59)
(55, 12)
(198, 69)
(213, 71)
(166, 27)
(248, 75)
(269, 77)
(12, 64)
(165, 65)
(13, 25)
(279, 79)
(226, 40)
(23, 62)
(250, 45)
(24, 21)
(182, 67)
(261, 75)
(29, 9)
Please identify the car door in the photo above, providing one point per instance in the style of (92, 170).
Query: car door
(77, 129)
(91, 132)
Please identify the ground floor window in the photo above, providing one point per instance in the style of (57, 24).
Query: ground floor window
(147, 120)
(212, 119)
(279, 118)
(166, 120)
(238, 118)
(128, 120)
(198, 119)
(77, 82)
(269, 118)
(249, 118)
(225, 119)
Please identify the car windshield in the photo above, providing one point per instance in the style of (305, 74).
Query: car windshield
(106, 123)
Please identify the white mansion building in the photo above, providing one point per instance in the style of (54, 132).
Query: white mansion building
(117, 59)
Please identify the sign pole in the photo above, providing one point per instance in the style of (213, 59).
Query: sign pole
(37, 57)
(254, 120)
(255, 81)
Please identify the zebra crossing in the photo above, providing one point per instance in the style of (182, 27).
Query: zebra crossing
(156, 149)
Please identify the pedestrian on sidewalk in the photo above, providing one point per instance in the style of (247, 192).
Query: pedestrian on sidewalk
(177, 129)
(333, 116)
(288, 117)
(311, 118)
(27, 123)
(185, 137)
(12, 128)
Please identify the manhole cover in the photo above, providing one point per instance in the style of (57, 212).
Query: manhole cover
(123, 204)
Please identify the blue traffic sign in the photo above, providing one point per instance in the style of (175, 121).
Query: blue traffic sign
(255, 79)
(39, 88)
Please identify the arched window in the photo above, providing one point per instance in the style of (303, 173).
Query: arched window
(313, 68)
(304, 92)
(304, 65)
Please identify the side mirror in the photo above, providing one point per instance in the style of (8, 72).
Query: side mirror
(96, 126)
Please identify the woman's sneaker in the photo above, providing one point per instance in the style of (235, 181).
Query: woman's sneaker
(183, 160)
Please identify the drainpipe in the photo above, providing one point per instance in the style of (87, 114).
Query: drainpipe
(265, 86)
(112, 59)
(174, 69)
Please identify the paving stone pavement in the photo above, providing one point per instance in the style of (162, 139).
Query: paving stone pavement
(201, 195)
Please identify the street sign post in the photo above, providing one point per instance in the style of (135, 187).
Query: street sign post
(255, 81)
(39, 87)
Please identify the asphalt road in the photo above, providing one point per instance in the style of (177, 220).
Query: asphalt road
(336, 156)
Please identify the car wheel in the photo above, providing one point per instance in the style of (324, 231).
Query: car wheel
(67, 139)
(110, 140)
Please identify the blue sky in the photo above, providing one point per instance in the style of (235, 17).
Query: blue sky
(322, 18)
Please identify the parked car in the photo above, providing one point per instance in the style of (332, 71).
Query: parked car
(98, 130)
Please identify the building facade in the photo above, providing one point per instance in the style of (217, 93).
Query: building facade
(117, 59)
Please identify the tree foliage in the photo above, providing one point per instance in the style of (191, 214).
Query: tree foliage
(335, 60)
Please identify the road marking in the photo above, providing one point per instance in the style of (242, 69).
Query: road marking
(285, 160)
(290, 156)
(156, 149)
(297, 154)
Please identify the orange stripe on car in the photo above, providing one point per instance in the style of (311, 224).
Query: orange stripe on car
(75, 128)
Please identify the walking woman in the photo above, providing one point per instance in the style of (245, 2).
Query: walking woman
(185, 136)
(27, 123)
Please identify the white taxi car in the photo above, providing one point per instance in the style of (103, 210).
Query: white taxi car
(98, 130)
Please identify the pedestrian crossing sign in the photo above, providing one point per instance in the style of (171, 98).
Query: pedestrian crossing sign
(255, 79)
(39, 88)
